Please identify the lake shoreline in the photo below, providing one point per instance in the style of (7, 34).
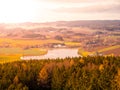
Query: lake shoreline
(55, 53)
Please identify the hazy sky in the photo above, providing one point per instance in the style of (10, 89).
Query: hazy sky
(58, 10)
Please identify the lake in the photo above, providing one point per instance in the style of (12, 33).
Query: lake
(54, 53)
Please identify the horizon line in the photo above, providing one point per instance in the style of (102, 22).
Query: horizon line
(60, 21)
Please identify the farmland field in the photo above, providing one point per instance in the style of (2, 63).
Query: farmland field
(14, 54)
(110, 48)
(34, 39)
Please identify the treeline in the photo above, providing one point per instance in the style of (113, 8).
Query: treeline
(87, 73)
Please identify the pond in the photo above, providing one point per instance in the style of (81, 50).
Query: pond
(54, 53)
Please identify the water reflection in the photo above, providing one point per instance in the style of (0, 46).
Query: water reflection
(55, 53)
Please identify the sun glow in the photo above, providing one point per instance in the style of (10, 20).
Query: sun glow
(12, 11)
(17, 11)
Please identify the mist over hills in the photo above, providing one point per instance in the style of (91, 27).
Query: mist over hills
(77, 23)
(20, 28)
(88, 34)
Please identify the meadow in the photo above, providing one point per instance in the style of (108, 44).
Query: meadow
(24, 42)
(14, 54)
(109, 49)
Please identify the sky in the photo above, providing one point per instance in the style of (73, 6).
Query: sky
(58, 10)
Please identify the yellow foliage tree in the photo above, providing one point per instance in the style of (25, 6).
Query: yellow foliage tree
(81, 61)
(101, 67)
(24, 66)
(72, 62)
(117, 79)
(16, 80)
(43, 74)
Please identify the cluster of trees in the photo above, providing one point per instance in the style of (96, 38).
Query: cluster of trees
(87, 73)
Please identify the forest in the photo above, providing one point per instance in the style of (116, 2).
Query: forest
(78, 73)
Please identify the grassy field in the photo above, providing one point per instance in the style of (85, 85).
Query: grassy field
(31, 51)
(34, 51)
(14, 54)
(9, 58)
(26, 43)
(86, 53)
(23, 43)
(109, 48)
(72, 44)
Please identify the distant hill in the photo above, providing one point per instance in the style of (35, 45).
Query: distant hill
(90, 35)
(20, 30)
